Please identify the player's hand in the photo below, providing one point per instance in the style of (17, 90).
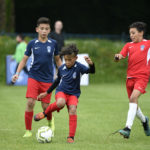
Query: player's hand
(88, 60)
(15, 77)
(42, 95)
(117, 57)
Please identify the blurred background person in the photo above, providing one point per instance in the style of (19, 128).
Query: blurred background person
(19, 53)
(59, 37)
(57, 34)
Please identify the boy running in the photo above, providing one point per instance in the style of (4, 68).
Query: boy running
(43, 52)
(138, 52)
(68, 87)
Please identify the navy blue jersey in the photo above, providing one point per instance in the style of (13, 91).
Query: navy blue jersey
(70, 78)
(42, 59)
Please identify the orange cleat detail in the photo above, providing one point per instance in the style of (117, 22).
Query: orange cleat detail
(39, 116)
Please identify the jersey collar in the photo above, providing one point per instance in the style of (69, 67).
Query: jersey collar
(75, 65)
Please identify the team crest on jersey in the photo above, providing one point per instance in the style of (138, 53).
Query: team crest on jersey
(74, 75)
(48, 49)
(142, 47)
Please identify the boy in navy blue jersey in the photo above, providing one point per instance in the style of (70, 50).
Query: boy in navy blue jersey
(68, 87)
(43, 52)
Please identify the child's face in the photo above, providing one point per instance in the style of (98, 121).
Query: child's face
(18, 39)
(135, 35)
(70, 60)
(43, 30)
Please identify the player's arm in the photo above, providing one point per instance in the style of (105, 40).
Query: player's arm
(20, 67)
(51, 88)
(122, 54)
(91, 64)
(58, 61)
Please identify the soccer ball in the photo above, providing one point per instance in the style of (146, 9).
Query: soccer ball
(44, 134)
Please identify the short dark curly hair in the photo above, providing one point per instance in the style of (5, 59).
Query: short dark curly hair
(140, 26)
(69, 50)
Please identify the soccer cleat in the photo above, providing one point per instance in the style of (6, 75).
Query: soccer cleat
(70, 139)
(125, 132)
(27, 134)
(39, 116)
(51, 124)
(146, 126)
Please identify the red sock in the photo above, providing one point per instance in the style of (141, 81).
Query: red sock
(49, 116)
(52, 107)
(72, 125)
(28, 120)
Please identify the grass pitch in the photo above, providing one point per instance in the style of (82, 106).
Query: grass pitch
(102, 110)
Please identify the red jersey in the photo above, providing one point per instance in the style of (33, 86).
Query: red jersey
(138, 59)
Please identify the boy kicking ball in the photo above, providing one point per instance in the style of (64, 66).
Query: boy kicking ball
(68, 87)
(138, 52)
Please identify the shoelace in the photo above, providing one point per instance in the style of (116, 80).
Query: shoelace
(115, 132)
(118, 131)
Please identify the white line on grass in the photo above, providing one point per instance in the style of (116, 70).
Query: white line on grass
(6, 129)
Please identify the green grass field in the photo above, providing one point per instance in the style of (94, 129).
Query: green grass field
(102, 110)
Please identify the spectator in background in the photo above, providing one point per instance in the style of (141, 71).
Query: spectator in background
(20, 49)
(57, 34)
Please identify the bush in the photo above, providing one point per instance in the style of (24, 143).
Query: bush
(101, 51)
(7, 46)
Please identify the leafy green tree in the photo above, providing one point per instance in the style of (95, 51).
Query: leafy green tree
(7, 15)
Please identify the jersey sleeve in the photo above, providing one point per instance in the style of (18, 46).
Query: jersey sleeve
(58, 74)
(28, 50)
(56, 50)
(84, 69)
(55, 84)
(124, 51)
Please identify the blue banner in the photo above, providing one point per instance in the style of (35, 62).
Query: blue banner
(11, 65)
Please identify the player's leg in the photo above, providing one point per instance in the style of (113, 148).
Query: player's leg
(31, 95)
(44, 106)
(133, 101)
(141, 85)
(139, 88)
(28, 116)
(130, 87)
(45, 103)
(145, 121)
(140, 115)
(56, 106)
(50, 119)
(72, 110)
(72, 123)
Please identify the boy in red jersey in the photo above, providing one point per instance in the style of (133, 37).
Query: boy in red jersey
(138, 52)
(41, 74)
